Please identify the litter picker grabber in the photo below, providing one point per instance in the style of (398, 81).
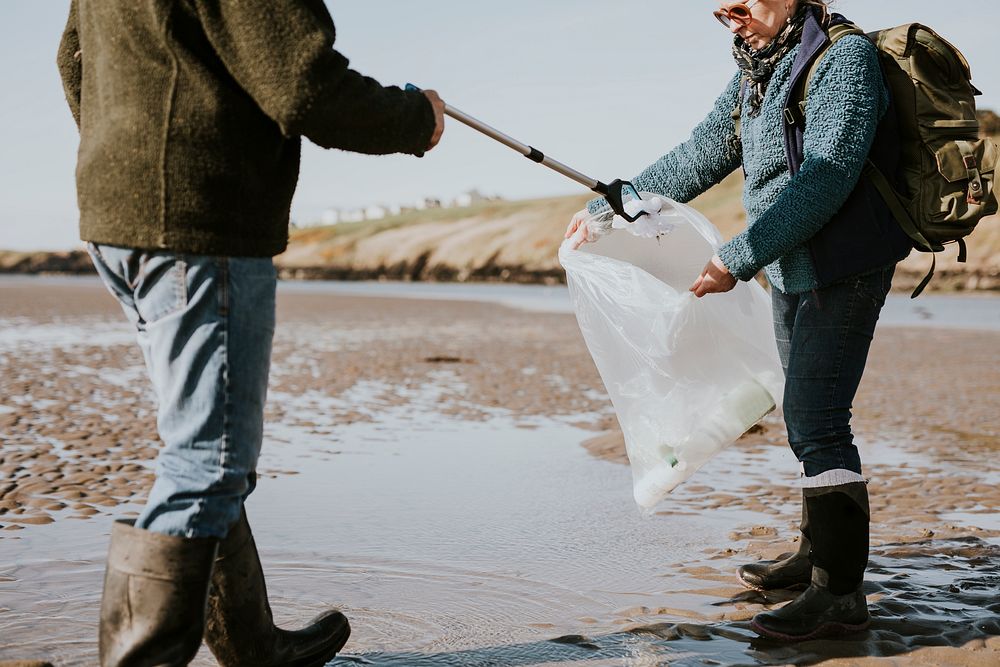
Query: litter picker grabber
(613, 192)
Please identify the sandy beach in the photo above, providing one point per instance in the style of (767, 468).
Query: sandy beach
(450, 473)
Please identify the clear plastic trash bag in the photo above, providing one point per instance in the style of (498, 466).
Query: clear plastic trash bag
(686, 376)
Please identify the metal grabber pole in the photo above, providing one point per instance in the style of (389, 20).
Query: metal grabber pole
(612, 192)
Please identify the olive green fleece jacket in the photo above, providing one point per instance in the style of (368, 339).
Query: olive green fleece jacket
(191, 114)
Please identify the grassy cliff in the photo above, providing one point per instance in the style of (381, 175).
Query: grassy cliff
(518, 241)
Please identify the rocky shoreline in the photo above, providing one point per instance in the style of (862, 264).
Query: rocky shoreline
(77, 263)
(70, 262)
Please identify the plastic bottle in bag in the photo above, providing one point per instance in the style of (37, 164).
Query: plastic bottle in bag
(737, 411)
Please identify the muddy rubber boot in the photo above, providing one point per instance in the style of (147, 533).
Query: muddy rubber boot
(791, 571)
(240, 630)
(834, 604)
(153, 607)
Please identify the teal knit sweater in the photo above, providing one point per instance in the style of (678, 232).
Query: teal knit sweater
(847, 98)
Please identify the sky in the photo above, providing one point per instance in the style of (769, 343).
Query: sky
(605, 87)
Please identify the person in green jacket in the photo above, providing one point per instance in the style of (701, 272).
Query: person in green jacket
(191, 116)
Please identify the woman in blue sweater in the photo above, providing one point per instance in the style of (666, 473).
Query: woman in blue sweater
(828, 247)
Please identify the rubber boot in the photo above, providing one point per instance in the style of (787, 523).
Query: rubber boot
(153, 607)
(240, 629)
(791, 571)
(834, 603)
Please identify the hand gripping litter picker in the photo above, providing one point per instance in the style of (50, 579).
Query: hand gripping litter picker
(612, 192)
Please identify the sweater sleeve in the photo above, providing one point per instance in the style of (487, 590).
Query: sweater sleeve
(694, 166)
(846, 100)
(281, 52)
(69, 63)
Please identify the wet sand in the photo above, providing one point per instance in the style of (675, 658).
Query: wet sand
(78, 428)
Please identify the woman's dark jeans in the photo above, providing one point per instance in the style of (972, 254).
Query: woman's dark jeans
(823, 341)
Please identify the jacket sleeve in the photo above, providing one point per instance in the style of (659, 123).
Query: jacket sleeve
(281, 53)
(846, 100)
(702, 161)
(69, 62)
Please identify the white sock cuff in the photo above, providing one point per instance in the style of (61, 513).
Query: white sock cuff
(831, 478)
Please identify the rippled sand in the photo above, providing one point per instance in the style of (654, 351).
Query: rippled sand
(422, 470)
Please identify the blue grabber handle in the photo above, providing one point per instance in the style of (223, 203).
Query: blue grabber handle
(614, 192)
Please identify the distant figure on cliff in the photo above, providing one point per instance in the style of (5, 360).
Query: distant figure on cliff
(829, 248)
(191, 116)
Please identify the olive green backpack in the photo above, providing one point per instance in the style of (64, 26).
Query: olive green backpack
(947, 171)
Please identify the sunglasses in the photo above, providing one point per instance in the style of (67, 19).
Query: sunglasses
(738, 14)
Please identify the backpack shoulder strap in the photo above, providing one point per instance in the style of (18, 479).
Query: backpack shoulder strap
(797, 102)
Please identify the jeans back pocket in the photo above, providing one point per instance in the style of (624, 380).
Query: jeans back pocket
(161, 286)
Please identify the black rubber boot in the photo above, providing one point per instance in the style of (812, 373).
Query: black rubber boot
(834, 603)
(153, 607)
(816, 613)
(791, 571)
(240, 630)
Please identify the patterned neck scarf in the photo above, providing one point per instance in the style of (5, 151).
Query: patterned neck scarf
(758, 66)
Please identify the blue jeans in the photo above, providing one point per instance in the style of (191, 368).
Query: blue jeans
(823, 341)
(205, 326)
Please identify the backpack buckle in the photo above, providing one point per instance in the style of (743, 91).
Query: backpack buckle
(789, 116)
(975, 195)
